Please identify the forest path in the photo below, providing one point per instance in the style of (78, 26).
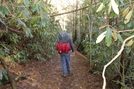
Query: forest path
(48, 75)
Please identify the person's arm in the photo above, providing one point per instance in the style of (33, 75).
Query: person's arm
(71, 44)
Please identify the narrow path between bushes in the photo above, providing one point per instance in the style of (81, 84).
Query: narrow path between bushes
(47, 75)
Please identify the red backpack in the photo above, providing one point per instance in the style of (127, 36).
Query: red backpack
(63, 47)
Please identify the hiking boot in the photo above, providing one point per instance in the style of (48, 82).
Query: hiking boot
(64, 76)
(70, 73)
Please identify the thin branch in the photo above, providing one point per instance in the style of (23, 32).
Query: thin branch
(69, 11)
(73, 10)
(117, 70)
(49, 1)
(12, 29)
(120, 51)
(118, 30)
(15, 30)
(125, 30)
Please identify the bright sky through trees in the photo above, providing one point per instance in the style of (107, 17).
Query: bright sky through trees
(64, 6)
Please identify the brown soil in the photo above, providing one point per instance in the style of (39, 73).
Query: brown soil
(47, 75)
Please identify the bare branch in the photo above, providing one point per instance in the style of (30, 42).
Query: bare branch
(73, 10)
(120, 51)
(69, 11)
(125, 30)
(16, 31)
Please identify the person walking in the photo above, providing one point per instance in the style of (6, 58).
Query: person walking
(64, 36)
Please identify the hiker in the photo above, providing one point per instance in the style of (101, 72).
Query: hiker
(64, 37)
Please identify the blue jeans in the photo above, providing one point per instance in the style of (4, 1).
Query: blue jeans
(65, 59)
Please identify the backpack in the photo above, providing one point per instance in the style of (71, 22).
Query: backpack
(62, 46)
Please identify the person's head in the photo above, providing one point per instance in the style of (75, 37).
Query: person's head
(64, 29)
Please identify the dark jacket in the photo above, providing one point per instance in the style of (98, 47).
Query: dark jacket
(64, 37)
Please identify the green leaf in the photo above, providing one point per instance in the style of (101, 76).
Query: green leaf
(1, 76)
(2, 21)
(96, 72)
(5, 74)
(42, 4)
(126, 34)
(19, 1)
(113, 15)
(32, 21)
(44, 14)
(88, 17)
(122, 3)
(43, 22)
(8, 7)
(46, 9)
(3, 11)
(33, 8)
(39, 56)
(26, 13)
(128, 49)
(1, 52)
(21, 23)
(26, 2)
(120, 38)
(6, 50)
(130, 24)
(108, 39)
(42, 59)
(105, 1)
(20, 15)
(28, 32)
(37, 8)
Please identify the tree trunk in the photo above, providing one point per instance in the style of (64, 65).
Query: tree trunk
(122, 69)
(127, 61)
(12, 81)
(76, 23)
(80, 46)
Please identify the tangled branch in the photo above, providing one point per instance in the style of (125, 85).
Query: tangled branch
(120, 51)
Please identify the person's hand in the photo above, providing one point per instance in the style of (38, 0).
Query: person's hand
(73, 53)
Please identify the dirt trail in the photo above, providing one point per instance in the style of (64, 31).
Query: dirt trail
(47, 75)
